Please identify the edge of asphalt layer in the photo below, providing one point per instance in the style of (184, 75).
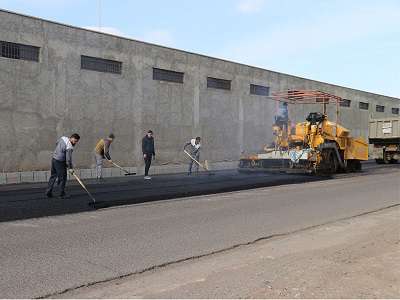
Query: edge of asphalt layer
(170, 263)
(48, 208)
(25, 209)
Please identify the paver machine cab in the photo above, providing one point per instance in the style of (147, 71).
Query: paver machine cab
(317, 145)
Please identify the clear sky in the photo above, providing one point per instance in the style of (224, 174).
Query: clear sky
(354, 43)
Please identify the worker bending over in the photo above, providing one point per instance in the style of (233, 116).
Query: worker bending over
(61, 161)
(193, 148)
(101, 152)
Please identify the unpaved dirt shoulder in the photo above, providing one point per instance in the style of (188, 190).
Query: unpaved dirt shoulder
(356, 258)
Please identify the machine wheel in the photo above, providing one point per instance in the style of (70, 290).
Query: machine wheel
(386, 158)
(329, 164)
(333, 163)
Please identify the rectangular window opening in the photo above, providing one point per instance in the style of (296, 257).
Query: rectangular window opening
(259, 90)
(168, 75)
(217, 83)
(380, 108)
(345, 102)
(19, 51)
(363, 105)
(101, 64)
(395, 110)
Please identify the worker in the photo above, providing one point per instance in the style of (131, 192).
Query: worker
(61, 161)
(193, 148)
(148, 152)
(101, 152)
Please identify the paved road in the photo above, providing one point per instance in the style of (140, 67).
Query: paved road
(26, 201)
(48, 255)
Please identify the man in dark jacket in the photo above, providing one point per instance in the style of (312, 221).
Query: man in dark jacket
(62, 160)
(148, 152)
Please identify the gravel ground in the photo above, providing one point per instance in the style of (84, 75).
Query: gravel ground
(356, 258)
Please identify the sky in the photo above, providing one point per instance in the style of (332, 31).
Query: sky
(350, 43)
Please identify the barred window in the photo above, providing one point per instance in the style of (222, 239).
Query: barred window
(363, 105)
(259, 90)
(395, 110)
(19, 51)
(217, 83)
(167, 75)
(380, 108)
(101, 64)
(345, 102)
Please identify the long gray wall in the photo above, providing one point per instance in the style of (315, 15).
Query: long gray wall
(40, 101)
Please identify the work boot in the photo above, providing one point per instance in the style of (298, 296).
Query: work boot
(147, 177)
(49, 194)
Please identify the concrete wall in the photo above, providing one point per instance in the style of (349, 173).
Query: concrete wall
(40, 101)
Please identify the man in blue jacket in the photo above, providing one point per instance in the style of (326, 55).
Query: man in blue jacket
(62, 160)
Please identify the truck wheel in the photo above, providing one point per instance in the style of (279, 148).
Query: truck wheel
(386, 157)
(379, 161)
(386, 160)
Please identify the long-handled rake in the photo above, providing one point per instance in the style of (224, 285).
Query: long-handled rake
(204, 166)
(118, 166)
(84, 187)
(122, 169)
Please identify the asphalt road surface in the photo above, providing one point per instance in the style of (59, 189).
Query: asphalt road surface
(24, 201)
(47, 256)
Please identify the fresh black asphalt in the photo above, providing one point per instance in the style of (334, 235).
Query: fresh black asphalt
(24, 201)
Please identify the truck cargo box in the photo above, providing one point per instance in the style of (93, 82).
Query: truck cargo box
(384, 130)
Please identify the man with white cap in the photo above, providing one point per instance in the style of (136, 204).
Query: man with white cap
(193, 148)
